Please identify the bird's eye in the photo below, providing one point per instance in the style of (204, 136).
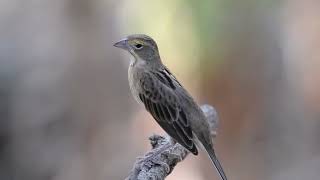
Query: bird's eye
(138, 46)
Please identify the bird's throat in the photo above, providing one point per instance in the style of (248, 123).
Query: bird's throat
(133, 61)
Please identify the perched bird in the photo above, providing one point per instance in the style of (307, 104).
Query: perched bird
(152, 84)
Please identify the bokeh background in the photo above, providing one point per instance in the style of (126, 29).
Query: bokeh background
(66, 112)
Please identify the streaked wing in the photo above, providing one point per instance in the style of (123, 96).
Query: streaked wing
(158, 95)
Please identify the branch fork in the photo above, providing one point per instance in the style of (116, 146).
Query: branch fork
(165, 154)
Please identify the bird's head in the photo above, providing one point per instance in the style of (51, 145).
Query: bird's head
(140, 46)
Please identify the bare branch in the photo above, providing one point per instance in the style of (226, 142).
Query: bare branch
(160, 161)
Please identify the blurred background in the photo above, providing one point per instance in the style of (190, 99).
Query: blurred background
(66, 112)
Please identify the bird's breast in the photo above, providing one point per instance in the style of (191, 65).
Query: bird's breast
(133, 80)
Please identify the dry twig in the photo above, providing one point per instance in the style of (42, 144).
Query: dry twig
(159, 162)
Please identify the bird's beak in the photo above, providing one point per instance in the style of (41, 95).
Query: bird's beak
(121, 44)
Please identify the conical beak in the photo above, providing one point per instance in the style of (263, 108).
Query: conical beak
(121, 44)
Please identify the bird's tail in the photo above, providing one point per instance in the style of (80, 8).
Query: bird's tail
(216, 162)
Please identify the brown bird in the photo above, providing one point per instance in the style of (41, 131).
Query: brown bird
(152, 84)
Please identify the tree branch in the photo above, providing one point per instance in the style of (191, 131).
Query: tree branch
(159, 162)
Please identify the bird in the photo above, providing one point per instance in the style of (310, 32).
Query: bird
(154, 86)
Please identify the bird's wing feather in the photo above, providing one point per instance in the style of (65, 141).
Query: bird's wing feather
(158, 95)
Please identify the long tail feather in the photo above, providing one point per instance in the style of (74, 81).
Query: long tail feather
(216, 162)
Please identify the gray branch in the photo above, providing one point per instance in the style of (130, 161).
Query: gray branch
(159, 162)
